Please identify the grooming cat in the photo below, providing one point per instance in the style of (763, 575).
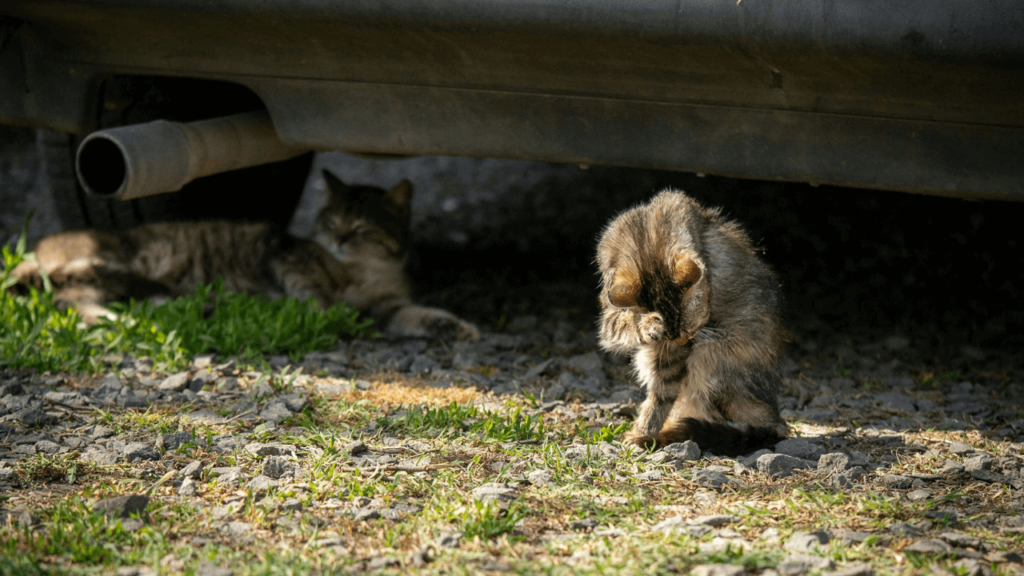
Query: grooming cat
(357, 255)
(685, 293)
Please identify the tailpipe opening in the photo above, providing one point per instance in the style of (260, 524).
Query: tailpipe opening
(102, 167)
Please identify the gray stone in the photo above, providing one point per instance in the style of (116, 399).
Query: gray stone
(227, 474)
(896, 402)
(928, 546)
(855, 569)
(174, 383)
(136, 571)
(850, 536)
(950, 467)
(192, 470)
(651, 476)
(206, 417)
(584, 524)
(980, 462)
(948, 515)
(683, 451)
(47, 447)
(367, 513)
(800, 448)
(173, 440)
(109, 389)
(498, 492)
(100, 456)
(972, 567)
(131, 401)
(276, 467)
(717, 570)
(122, 506)
(802, 564)
(804, 542)
(261, 484)
(423, 365)
(449, 539)
(260, 449)
(32, 417)
(673, 524)
(960, 448)
(749, 462)
(68, 398)
(589, 364)
(896, 481)
(139, 451)
(918, 495)
(710, 478)
(598, 450)
(294, 402)
(541, 477)
(715, 520)
(188, 487)
(275, 411)
(780, 465)
(381, 563)
(235, 528)
(904, 529)
(988, 476)
(355, 447)
(961, 540)
(833, 462)
(290, 505)
(848, 478)
(207, 569)
(540, 369)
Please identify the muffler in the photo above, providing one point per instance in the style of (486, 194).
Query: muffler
(162, 156)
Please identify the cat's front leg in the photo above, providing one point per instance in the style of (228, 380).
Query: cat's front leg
(421, 322)
(623, 330)
(661, 397)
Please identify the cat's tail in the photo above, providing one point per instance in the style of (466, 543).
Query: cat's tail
(720, 438)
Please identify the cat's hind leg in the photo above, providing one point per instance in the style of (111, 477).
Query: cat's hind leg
(421, 322)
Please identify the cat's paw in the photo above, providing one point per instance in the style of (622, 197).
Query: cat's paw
(641, 441)
(421, 322)
(650, 328)
(453, 328)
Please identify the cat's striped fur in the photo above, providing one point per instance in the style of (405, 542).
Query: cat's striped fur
(687, 295)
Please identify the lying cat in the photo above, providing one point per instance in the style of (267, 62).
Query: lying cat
(685, 293)
(357, 255)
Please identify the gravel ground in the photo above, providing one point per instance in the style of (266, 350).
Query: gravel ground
(904, 389)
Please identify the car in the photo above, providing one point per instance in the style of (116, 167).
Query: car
(919, 96)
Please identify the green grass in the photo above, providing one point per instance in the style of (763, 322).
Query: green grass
(455, 419)
(36, 333)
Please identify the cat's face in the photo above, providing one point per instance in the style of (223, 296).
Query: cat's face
(361, 222)
(650, 264)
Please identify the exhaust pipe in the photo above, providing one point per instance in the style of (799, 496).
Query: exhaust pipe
(162, 156)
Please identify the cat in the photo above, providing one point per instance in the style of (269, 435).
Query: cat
(357, 255)
(685, 293)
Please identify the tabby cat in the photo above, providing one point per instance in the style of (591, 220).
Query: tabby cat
(357, 255)
(686, 294)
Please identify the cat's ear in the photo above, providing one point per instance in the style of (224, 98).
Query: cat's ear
(624, 289)
(401, 194)
(690, 275)
(334, 184)
(685, 271)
